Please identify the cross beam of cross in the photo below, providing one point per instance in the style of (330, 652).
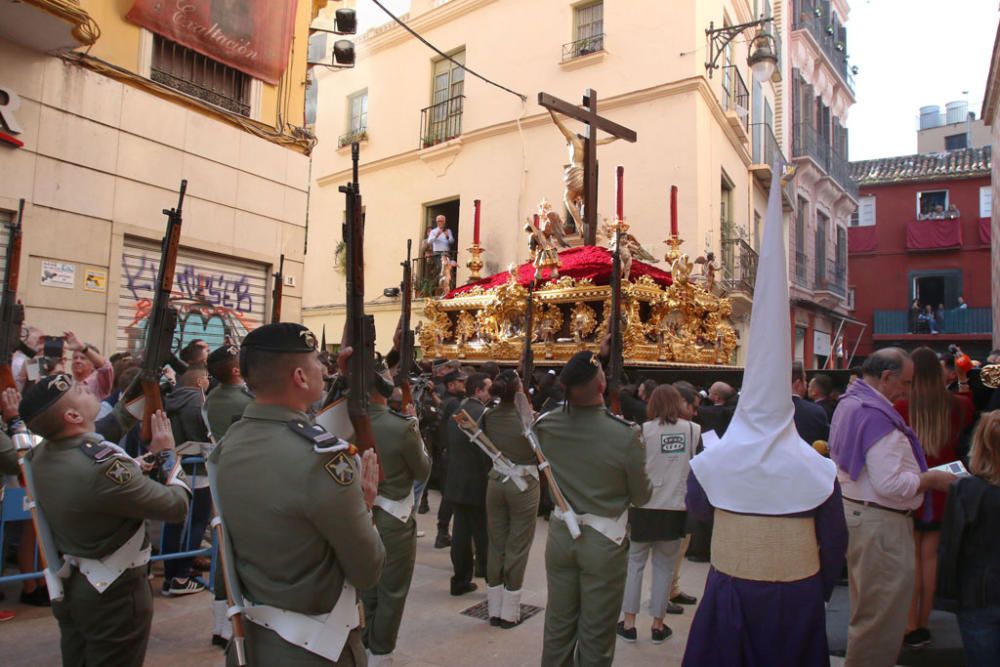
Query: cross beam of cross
(587, 114)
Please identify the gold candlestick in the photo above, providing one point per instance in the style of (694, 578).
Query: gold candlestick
(475, 263)
(674, 242)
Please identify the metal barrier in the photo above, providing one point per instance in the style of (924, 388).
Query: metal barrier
(14, 507)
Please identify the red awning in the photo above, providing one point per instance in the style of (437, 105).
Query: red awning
(593, 262)
(861, 239)
(933, 234)
(984, 230)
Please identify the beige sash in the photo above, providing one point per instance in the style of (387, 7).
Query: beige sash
(764, 548)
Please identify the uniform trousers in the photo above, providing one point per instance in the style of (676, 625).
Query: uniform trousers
(510, 521)
(266, 649)
(385, 602)
(665, 555)
(110, 628)
(586, 582)
(469, 529)
(880, 569)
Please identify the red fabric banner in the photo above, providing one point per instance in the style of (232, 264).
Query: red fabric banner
(861, 239)
(984, 231)
(253, 36)
(933, 234)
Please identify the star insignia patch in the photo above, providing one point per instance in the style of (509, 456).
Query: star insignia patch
(119, 473)
(340, 468)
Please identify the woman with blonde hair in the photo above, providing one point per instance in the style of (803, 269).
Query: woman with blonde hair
(938, 417)
(968, 580)
(657, 527)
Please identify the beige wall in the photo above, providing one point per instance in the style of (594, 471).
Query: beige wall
(510, 155)
(101, 159)
(931, 140)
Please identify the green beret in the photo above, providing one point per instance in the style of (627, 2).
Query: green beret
(223, 354)
(43, 394)
(580, 369)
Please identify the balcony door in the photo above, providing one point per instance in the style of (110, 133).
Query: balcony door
(448, 86)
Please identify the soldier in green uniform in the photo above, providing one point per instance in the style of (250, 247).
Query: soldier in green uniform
(510, 512)
(96, 498)
(290, 496)
(224, 406)
(599, 463)
(404, 460)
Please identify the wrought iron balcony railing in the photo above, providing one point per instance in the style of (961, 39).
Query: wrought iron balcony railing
(739, 265)
(583, 47)
(832, 277)
(799, 277)
(359, 134)
(764, 145)
(954, 321)
(814, 17)
(427, 275)
(735, 95)
(807, 142)
(442, 121)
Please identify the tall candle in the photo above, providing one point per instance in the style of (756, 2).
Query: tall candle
(620, 202)
(536, 221)
(475, 228)
(673, 211)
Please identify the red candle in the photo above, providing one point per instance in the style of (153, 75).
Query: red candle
(620, 202)
(673, 211)
(475, 228)
(536, 221)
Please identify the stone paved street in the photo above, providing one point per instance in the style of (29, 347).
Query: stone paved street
(434, 632)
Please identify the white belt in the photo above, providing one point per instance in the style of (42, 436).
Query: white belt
(103, 572)
(517, 470)
(613, 529)
(401, 509)
(324, 634)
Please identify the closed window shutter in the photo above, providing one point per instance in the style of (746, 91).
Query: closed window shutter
(985, 201)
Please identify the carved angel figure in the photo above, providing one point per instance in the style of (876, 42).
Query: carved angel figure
(630, 247)
(708, 270)
(542, 242)
(681, 269)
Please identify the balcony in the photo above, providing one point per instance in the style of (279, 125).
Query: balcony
(47, 27)
(808, 143)
(945, 234)
(977, 322)
(739, 265)
(441, 122)
(763, 150)
(832, 45)
(735, 97)
(801, 273)
(831, 277)
(358, 135)
(583, 47)
(427, 279)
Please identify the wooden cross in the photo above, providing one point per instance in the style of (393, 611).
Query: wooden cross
(587, 114)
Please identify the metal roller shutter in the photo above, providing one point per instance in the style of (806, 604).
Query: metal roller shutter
(216, 296)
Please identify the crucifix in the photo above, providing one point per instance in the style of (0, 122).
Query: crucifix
(581, 175)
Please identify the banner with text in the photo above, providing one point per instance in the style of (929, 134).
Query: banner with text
(253, 36)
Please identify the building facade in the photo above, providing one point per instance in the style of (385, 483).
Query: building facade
(991, 116)
(434, 138)
(922, 235)
(820, 93)
(102, 118)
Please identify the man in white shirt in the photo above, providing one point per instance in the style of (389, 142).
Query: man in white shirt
(883, 476)
(440, 238)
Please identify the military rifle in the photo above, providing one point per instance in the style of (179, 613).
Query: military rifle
(11, 312)
(527, 355)
(359, 330)
(162, 319)
(615, 361)
(276, 293)
(405, 332)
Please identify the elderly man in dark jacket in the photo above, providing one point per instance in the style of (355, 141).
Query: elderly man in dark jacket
(465, 489)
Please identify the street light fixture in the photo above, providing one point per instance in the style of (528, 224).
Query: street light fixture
(762, 58)
(345, 22)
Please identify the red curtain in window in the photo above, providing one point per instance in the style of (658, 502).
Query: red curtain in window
(984, 230)
(253, 36)
(931, 234)
(861, 239)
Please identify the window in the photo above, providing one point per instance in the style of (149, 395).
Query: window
(931, 203)
(954, 142)
(800, 242)
(756, 231)
(865, 215)
(728, 232)
(357, 119)
(443, 119)
(588, 28)
(822, 224)
(193, 74)
(985, 201)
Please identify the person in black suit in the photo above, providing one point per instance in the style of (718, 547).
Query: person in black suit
(820, 388)
(718, 412)
(465, 489)
(810, 419)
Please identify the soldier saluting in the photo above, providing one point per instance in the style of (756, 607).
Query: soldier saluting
(599, 462)
(290, 497)
(95, 499)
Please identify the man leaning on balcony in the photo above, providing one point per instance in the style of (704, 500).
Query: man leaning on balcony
(440, 241)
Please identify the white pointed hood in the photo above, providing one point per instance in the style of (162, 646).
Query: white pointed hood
(761, 465)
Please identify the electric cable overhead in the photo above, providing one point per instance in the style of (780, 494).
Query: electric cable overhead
(441, 53)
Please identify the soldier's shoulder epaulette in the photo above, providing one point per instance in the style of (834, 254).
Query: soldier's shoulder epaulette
(550, 413)
(620, 419)
(315, 434)
(98, 450)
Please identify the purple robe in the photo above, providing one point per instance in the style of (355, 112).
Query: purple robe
(764, 624)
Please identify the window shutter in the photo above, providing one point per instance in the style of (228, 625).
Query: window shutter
(985, 201)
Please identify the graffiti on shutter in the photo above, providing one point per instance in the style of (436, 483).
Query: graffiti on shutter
(216, 297)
